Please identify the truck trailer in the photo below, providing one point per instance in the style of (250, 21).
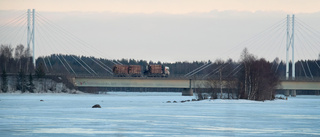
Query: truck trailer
(136, 71)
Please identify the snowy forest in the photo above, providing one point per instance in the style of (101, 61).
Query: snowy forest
(250, 75)
(18, 59)
(304, 68)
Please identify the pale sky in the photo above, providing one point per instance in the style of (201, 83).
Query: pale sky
(163, 6)
(164, 30)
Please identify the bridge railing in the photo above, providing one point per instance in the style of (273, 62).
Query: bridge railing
(175, 76)
(300, 79)
(111, 76)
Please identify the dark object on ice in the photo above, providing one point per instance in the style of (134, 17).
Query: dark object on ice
(41, 100)
(183, 101)
(168, 101)
(174, 101)
(194, 100)
(96, 106)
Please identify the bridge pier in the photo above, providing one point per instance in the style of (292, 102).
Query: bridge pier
(293, 93)
(187, 92)
(286, 93)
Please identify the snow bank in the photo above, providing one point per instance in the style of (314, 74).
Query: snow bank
(42, 86)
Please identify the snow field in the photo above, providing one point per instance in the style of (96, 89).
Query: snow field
(148, 114)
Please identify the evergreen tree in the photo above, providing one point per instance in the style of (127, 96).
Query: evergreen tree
(31, 85)
(18, 83)
(21, 81)
(40, 72)
(4, 84)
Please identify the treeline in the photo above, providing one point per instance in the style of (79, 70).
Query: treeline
(251, 78)
(17, 69)
(70, 64)
(16, 61)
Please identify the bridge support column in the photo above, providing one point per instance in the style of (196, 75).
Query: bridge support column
(293, 93)
(187, 92)
(286, 93)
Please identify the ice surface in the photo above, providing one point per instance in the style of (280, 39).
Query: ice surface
(148, 114)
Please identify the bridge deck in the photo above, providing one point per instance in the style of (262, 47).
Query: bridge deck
(176, 83)
(132, 82)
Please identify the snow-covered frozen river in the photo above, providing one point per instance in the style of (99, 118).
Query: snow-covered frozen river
(148, 114)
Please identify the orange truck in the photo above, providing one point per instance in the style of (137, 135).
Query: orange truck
(157, 71)
(136, 71)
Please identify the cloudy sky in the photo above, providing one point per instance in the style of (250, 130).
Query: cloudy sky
(166, 30)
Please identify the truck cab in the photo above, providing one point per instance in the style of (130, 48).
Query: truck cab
(166, 71)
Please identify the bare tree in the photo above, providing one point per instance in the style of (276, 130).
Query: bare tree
(18, 54)
(258, 81)
(19, 51)
(213, 86)
(247, 60)
(6, 54)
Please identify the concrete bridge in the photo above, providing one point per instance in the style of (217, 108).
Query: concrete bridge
(93, 83)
